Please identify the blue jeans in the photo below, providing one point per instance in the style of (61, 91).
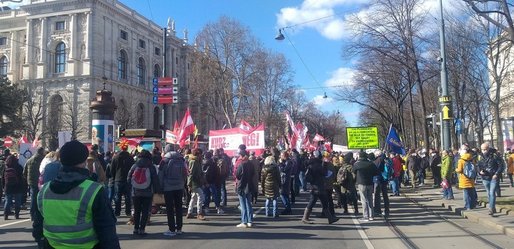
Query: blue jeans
(448, 193)
(274, 206)
(245, 203)
(286, 202)
(490, 188)
(395, 185)
(470, 198)
(211, 194)
(303, 183)
(17, 203)
(122, 189)
(222, 190)
(34, 190)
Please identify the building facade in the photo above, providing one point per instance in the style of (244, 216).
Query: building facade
(61, 52)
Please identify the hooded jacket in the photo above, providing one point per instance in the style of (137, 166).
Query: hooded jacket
(365, 170)
(172, 172)
(464, 182)
(154, 184)
(195, 179)
(270, 180)
(31, 170)
(104, 222)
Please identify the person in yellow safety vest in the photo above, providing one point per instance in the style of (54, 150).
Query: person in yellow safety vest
(73, 211)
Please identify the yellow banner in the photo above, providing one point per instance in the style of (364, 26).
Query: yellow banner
(362, 137)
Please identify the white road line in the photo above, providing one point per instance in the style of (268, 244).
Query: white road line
(13, 223)
(362, 234)
(257, 212)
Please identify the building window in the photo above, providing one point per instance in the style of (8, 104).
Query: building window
(141, 71)
(122, 65)
(60, 25)
(3, 41)
(123, 34)
(60, 57)
(142, 44)
(156, 71)
(3, 66)
(157, 51)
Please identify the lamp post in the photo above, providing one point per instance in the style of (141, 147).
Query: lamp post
(444, 100)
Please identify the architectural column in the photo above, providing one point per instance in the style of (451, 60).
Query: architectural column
(89, 39)
(28, 50)
(42, 60)
(71, 62)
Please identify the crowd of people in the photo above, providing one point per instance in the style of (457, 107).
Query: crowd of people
(75, 178)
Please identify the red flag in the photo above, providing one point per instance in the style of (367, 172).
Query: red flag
(187, 127)
(24, 140)
(328, 147)
(318, 138)
(176, 128)
(35, 143)
(245, 126)
(291, 123)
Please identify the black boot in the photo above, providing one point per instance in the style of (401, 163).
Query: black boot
(331, 218)
(6, 215)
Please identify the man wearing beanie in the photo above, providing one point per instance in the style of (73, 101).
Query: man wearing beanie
(120, 166)
(244, 187)
(57, 224)
(365, 170)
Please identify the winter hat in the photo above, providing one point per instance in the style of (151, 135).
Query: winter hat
(269, 160)
(242, 149)
(145, 154)
(348, 157)
(168, 148)
(73, 153)
(363, 155)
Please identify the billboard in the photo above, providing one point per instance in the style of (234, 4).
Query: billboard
(230, 139)
(362, 137)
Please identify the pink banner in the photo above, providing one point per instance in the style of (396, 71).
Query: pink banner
(230, 139)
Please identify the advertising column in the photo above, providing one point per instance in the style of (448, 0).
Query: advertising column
(102, 125)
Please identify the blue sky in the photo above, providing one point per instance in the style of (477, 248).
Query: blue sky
(318, 31)
(319, 48)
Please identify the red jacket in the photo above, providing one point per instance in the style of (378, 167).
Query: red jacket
(397, 166)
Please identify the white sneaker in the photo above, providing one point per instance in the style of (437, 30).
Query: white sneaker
(242, 225)
(169, 233)
(220, 211)
(249, 225)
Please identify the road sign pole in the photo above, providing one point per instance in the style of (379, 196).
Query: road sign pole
(445, 105)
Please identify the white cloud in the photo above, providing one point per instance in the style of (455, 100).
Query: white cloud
(343, 76)
(330, 24)
(319, 100)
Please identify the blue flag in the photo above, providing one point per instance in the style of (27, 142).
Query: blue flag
(394, 142)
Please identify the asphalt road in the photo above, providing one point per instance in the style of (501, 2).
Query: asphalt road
(423, 229)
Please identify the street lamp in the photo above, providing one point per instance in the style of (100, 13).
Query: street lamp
(280, 36)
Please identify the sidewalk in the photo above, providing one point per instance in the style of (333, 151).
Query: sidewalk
(502, 221)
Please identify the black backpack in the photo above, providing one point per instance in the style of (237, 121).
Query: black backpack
(11, 177)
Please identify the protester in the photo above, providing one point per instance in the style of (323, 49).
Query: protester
(144, 182)
(365, 171)
(120, 166)
(195, 184)
(6, 153)
(96, 170)
(57, 205)
(446, 175)
(286, 167)
(51, 169)
(256, 167)
(244, 176)
(385, 168)
(270, 182)
(466, 184)
(13, 185)
(510, 168)
(490, 167)
(347, 182)
(397, 169)
(316, 177)
(31, 175)
(172, 177)
(413, 166)
(435, 166)
(210, 189)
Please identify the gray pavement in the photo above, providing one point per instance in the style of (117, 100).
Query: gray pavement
(502, 222)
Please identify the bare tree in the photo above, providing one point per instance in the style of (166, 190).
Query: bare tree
(74, 117)
(125, 116)
(33, 112)
(495, 12)
(231, 47)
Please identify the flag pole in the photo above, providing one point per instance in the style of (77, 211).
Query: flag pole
(385, 140)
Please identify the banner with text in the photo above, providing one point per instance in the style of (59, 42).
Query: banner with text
(362, 137)
(230, 139)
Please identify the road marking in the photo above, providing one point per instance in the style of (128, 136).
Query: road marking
(257, 212)
(362, 234)
(13, 223)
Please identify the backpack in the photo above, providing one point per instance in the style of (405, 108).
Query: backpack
(343, 177)
(11, 177)
(388, 171)
(141, 178)
(469, 170)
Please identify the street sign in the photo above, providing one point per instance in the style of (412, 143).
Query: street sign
(8, 142)
(155, 100)
(175, 81)
(445, 99)
(447, 113)
(458, 126)
(155, 90)
(362, 137)
(155, 81)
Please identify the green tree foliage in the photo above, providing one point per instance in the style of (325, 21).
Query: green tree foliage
(11, 101)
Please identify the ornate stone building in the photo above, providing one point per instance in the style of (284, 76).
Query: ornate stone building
(63, 51)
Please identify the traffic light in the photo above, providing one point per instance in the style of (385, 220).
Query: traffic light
(121, 132)
(430, 120)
